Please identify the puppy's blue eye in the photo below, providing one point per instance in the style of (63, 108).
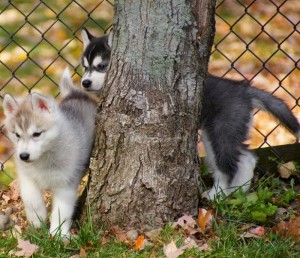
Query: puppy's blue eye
(36, 134)
(101, 67)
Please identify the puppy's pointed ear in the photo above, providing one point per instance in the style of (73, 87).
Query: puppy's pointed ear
(42, 103)
(110, 38)
(86, 37)
(9, 105)
(66, 83)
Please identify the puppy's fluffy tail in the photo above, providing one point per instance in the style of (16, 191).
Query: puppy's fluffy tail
(66, 84)
(277, 108)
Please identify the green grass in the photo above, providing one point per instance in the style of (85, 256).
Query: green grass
(226, 242)
(233, 215)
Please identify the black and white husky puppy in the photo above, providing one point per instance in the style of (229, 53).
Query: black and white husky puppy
(225, 120)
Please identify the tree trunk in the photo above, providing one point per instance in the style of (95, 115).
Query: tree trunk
(144, 167)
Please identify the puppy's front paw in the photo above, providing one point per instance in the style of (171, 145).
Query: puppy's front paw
(213, 194)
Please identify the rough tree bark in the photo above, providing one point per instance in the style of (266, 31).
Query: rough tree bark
(144, 167)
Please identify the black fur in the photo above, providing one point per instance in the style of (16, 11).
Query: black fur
(226, 118)
(227, 114)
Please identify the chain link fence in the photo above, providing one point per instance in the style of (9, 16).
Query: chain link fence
(257, 40)
(38, 39)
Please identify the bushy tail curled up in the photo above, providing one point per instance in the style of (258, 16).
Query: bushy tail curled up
(276, 107)
(66, 84)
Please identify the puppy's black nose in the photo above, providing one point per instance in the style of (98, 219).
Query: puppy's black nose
(24, 156)
(86, 83)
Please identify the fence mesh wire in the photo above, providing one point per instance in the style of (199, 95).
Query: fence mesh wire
(257, 40)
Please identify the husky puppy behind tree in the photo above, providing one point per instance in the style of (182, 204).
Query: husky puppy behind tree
(53, 143)
(226, 117)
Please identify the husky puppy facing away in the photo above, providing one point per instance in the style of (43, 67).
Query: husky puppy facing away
(53, 142)
(225, 120)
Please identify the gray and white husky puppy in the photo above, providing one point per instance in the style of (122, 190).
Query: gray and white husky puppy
(53, 143)
(225, 120)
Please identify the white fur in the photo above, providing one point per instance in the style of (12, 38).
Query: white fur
(110, 38)
(9, 105)
(97, 80)
(66, 83)
(220, 179)
(85, 39)
(57, 157)
(246, 165)
(85, 62)
(39, 174)
(97, 60)
(243, 176)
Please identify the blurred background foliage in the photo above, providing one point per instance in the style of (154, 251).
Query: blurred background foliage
(257, 40)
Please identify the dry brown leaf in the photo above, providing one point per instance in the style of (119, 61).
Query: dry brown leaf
(254, 233)
(27, 249)
(187, 223)
(6, 198)
(119, 233)
(204, 219)
(83, 253)
(185, 220)
(190, 243)
(75, 256)
(288, 229)
(16, 232)
(171, 250)
(139, 242)
(104, 240)
(286, 169)
(14, 190)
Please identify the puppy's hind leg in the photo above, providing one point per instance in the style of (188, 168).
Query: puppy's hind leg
(219, 177)
(245, 171)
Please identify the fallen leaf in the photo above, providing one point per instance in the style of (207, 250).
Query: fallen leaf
(191, 243)
(204, 247)
(281, 214)
(83, 253)
(119, 233)
(204, 219)
(290, 228)
(254, 233)
(187, 223)
(15, 190)
(16, 232)
(286, 169)
(75, 256)
(280, 229)
(27, 249)
(185, 220)
(104, 240)
(139, 242)
(6, 198)
(171, 250)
